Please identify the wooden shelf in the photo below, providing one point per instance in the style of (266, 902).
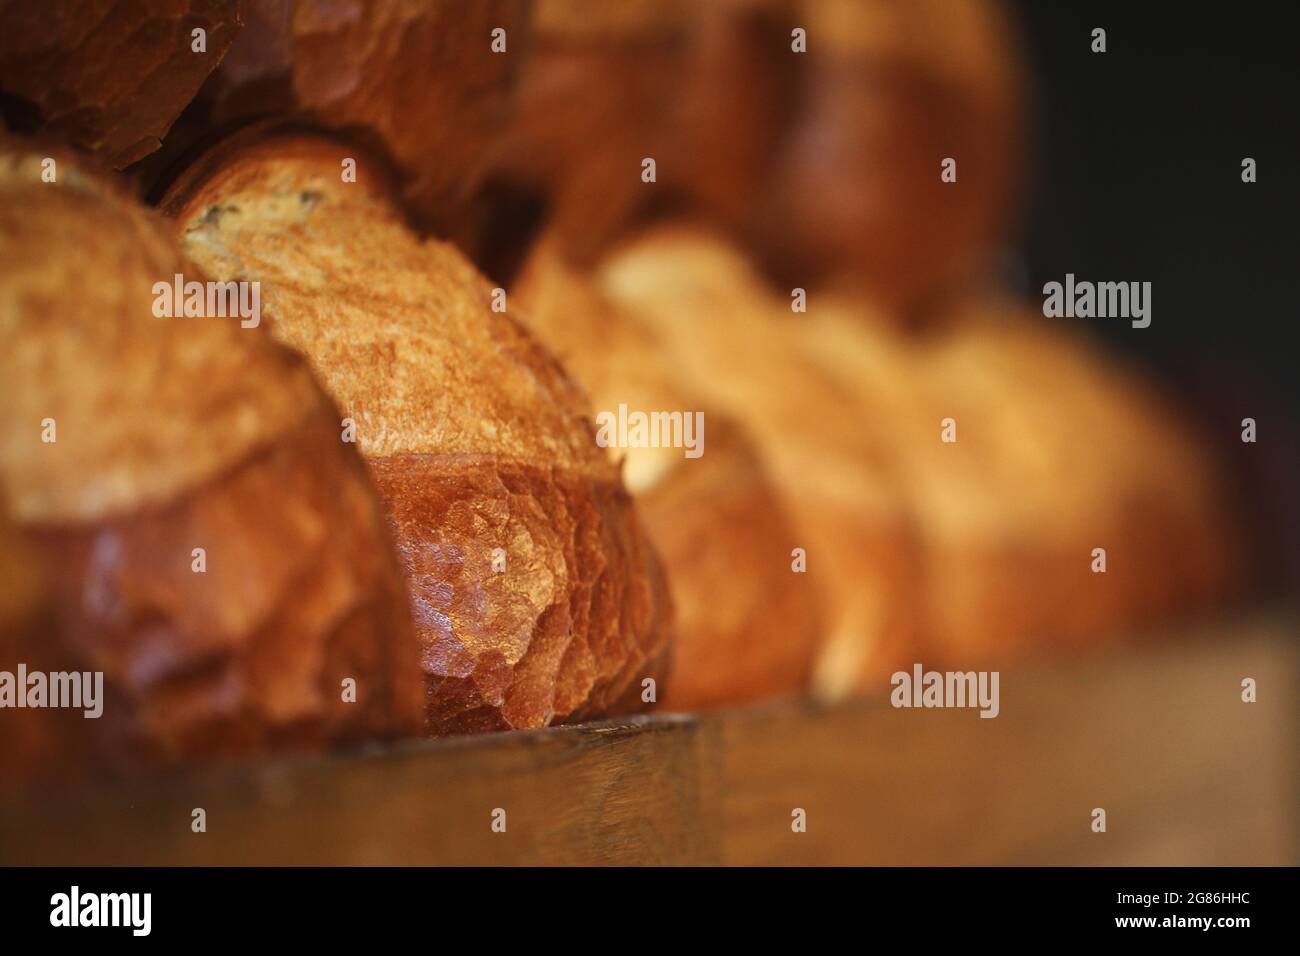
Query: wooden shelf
(1156, 734)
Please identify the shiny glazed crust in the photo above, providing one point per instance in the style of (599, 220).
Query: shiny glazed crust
(175, 434)
(476, 437)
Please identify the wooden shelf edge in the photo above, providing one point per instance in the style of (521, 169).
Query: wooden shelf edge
(1156, 734)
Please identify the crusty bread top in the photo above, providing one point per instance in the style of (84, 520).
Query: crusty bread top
(401, 330)
(144, 407)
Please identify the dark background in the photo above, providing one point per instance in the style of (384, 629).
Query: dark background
(1137, 177)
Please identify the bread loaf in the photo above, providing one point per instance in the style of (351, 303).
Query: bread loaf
(896, 88)
(740, 91)
(427, 82)
(739, 345)
(209, 544)
(1057, 452)
(1061, 451)
(748, 625)
(536, 597)
(594, 99)
(704, 91)
(107, 76)
(1052, 452)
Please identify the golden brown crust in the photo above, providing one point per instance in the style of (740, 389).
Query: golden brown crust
(175, 434)
(417, 79)
(109, 76)
(476, 437)
(1062, 452)
(188, 399)
(727, 335)
(300, 592)
(331, 255)
(1058, 452)
(748, 626)
(557, 631)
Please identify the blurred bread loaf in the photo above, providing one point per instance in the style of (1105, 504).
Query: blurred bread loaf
(895, 88)
(594, 98)
(989, 538)
(130, 441)
(418, 80)
(107, 76)
(738, 344)
(536, 597)
(705, 91)
(24, 592)
(32, 744)
(1055, 452)
(740, 90)
(748, 626)
(1061, 451)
